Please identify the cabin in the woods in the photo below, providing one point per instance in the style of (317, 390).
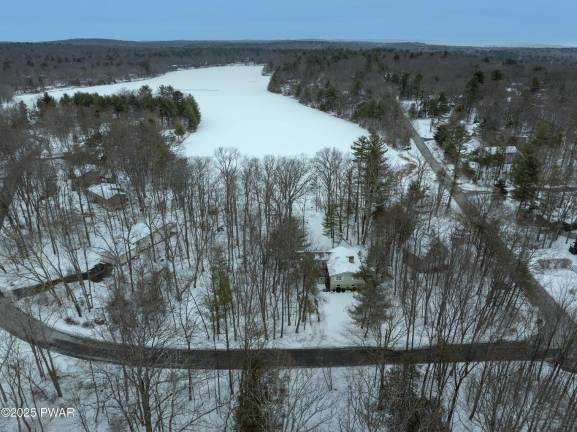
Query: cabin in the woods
(142, 236)
(337, 267)
(508, 153)
(342, 264)
(430, 255)
(107, 195)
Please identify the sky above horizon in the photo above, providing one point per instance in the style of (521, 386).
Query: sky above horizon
(506, 22)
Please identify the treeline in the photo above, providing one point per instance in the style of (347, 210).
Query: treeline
(346, 83)
(503, 94)
(172, 107)
(508, 102)
(34, 66)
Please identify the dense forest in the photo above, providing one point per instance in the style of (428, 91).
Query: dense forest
(112, 241)
(527, 106)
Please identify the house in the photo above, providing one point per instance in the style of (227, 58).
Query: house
(508, 152)
(342, 264)
(107, 195)
(430, 257)
(143, 236)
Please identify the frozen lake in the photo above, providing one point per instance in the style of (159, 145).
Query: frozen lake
(239, 112)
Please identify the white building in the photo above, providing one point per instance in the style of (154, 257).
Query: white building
(342, 264)
(508, 152)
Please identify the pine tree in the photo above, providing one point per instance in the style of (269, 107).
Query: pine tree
(330, 222)
(525, 174)
(372, 175)
(372, 305)
(535, 85)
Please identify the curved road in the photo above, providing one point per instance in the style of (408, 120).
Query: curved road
(29, 329)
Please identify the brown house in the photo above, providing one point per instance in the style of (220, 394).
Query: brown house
(107, 195)
(430, 258)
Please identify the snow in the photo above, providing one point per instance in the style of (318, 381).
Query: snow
(314, 224)
(238, 111)
(424, 128)
(560, 283)
(339, 261)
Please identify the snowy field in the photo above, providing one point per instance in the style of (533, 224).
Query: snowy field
(238, 111)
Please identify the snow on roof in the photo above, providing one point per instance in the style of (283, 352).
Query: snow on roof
(106, 190)
(340, 261)
(84, 169)
(493, 150)
(140, 230)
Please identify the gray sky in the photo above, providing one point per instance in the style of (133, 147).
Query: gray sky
(444, 21)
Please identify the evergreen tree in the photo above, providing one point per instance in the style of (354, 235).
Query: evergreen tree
(372, 305)
(535, 85)
(525, 174)
(372, 175)
(546, 135)
(407, 411)
(451, 138)
(330, 221)
(260, 396)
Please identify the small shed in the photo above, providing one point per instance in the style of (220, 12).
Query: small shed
(107, 195)
(342, 264)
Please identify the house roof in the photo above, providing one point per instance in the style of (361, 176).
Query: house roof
(339, 261)
(493, 150)
(106, 190)
(140, 230)
(84, 169)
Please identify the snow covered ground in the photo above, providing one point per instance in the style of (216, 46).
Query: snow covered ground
(238, 111)
(561, 283)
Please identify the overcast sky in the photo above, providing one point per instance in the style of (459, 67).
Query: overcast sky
(445, 21)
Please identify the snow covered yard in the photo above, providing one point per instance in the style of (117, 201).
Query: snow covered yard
(559, 280)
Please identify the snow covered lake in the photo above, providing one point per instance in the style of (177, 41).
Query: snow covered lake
(238, 111)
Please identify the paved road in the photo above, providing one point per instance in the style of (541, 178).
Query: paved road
(560, 328)
(24, 327)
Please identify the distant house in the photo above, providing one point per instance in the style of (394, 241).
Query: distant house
(142, 236)
(508, 152)
(342, 264)
(430, 257)
(107, 195)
